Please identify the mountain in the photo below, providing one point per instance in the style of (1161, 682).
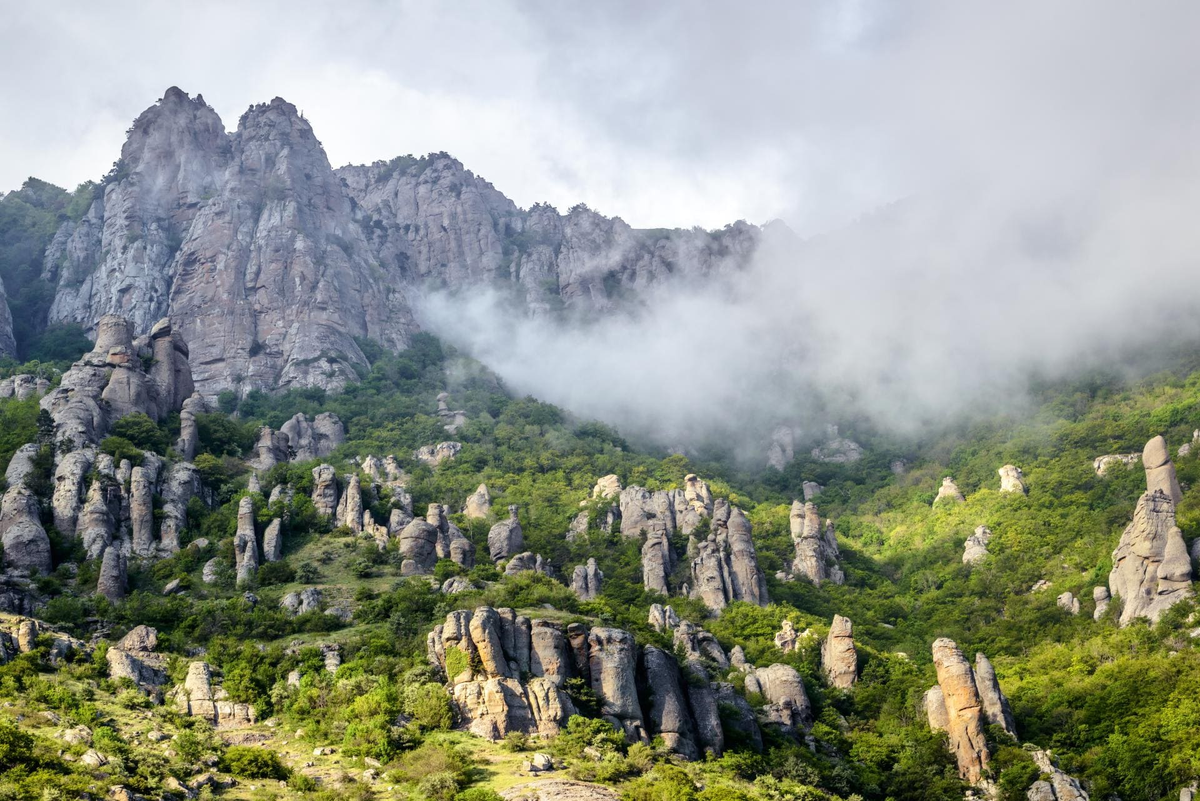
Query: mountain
(276, 267)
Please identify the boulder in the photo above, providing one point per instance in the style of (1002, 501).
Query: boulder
(839, 660)
(325, 490)
(505, 538)
(314, 440)
(479, 504)
(197, 697)
(26, 545)
(996, 708)
(418, 547)
(949, 492)
(134, 658)
(1012, 479)
(964, 710)
(1068, 602)
(526, 562)
(245, 544)
(1151, 567)
(934, 704)
(787, 704)
(663, 618)
(302, 602)
(1062, 787)
(811, 489)
(586, 580)
(271, 449)
(209, 574)
(975, 548)
(1160, 472)
(456, 584)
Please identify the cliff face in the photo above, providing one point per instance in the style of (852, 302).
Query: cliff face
(271, 264)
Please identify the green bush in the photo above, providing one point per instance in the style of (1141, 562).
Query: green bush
(438, 787)
(478, 794)
(120, 448)
(253, 762)
(275, 573)
(143, 432)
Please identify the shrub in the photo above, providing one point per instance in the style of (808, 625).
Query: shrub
(16, 747)
(516, 741)
(143, 432)
(478, 794)
(429, 706)
(252, 762)
(120, 448)
(308, 573)
(275, 573)
(438, 787)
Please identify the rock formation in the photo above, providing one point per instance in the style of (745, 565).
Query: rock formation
(97, 523)
(141, 513)
(975, 548)
(424, 542)
(197, 697)
(586, 581)
(996, 709)
(1160, 472)
(949, 492)
(662, 618)
(113, 582)
(811, 489)
(134, 658)
(350, 507)
(782, 450)
(612, 661)
(434, 455)
(668, 715)
(1012, 479)
(272, 448)
(963, 710)
(1102, 597)
(302, 602)
(816, 548)
(26, 545)
(189, 434)
(315, 440)
(505, 539)
(273, 541)
(70, 488)
(787, 705)
(1058, 786)
(325, 490)
(1069, 603)
(1102, 464)
(479, 504)
(452, 420)
(838, 449)
(839, 660)
(111, 382)
(725, 568)
(182, 483)
(1151, 567)
(526, 562)
(245, 544)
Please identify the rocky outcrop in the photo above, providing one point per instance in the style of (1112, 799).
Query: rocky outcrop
(1058, 786)
(197, 697)
(1102, 597)
(996, 709)
(26, 545)
(245, 543)
(782, 450)
(811, 489)
(325, 490)
(315, 440)
(189, 433)
(698, 645)
(350, 507)
(134, 658)
(272, 448)
(975, 548)
(586, 581)
(934, 704)
(111, 382)
(662, 618)
(787, 705)
(838, 449)
(1012, 479)
(182, 483)
(434, 455)
(1151, 568)
(1102, 464)
(302, 602)
(141, 513)
(949, 492)
(273, 541)
(483, 654)
(839, 659)
(70, 489)
(452, 420)
(612, 662)
(787, 638)
(505, 538)
(113, 582)
(668, 715)
(527, 562)
(963, 710)
(816, 548)
(725, 568)
(1160, 472)
(479, 504)
(1068, 603)
(424, 541)
(97, 523)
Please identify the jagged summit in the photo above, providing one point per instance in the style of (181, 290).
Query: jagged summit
(274, 265)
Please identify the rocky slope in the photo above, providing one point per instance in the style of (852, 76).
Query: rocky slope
(272, 264)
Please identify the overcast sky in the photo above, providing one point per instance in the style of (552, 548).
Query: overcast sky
(664, 113)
